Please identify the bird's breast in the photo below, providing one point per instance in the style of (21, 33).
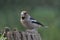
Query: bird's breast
(26, 24)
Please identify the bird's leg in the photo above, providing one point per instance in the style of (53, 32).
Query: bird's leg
(31, 31)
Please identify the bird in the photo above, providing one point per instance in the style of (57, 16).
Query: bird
(29, 22)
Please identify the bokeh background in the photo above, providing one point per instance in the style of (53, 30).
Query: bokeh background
(45, 11)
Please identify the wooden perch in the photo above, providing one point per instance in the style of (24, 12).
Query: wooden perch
(27, 35)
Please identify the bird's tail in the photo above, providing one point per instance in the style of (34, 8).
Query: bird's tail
(45, 27)
(41, 25)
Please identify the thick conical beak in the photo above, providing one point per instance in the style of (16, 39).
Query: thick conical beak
(23, 17)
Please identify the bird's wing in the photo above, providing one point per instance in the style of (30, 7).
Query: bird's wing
(32, 19)
(35, 21)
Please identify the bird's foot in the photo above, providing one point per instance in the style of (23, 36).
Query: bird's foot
(32, 31)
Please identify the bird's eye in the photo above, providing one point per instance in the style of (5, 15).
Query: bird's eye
(25, 13)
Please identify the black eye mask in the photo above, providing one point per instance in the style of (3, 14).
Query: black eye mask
(23, 18)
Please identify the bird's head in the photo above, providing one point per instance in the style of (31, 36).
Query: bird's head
(24, 14)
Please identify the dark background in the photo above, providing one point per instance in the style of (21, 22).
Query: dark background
(45, 11)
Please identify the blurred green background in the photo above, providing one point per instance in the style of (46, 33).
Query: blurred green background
(45, 11)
